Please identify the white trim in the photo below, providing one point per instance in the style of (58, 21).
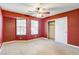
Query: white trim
(73, 46)
(8, 42)
(22, 40)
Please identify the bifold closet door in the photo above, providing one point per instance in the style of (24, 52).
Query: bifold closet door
(61, 30)
(51, 30)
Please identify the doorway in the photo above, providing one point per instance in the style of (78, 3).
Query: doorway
(51, 30)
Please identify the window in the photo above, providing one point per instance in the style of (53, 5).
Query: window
(21, 27)
(34, 27)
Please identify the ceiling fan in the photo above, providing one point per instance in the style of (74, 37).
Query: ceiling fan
(40, 10)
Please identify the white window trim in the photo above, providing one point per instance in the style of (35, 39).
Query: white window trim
(21, 28)
(37, 28)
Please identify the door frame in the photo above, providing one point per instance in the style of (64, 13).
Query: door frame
(46, 26)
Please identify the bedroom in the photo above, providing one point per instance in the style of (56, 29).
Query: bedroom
(39, 28)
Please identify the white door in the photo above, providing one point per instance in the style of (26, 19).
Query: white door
(61, 30)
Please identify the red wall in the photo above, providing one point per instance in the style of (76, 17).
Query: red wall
(73, 25)
(1, 23)
(73, 29)
(8, 29)
(10, 17)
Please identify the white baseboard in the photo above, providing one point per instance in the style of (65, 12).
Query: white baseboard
(70, 45)
(73, 46)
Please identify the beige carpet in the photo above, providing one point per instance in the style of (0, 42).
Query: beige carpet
(39, 46)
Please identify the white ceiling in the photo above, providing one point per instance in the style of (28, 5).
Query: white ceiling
(29, 8)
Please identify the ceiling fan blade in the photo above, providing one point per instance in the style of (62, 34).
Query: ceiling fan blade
(44, 12)
(61, 8)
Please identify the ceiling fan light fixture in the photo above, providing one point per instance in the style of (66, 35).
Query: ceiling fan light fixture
(38, 8)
